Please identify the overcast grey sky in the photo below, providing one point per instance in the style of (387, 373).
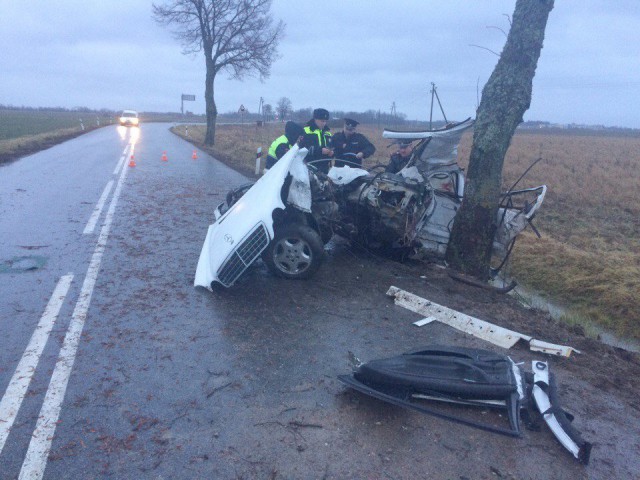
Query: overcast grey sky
(337, 54)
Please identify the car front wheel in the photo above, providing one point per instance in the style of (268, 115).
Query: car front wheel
(296, 252)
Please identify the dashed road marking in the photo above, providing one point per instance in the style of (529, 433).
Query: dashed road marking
(14, 395)
(35, 460)
(91, 224)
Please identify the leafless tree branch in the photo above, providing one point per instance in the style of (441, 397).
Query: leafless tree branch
(498, 28)
(484, 48)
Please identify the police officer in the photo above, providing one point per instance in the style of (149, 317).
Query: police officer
(351, 145)
(400, 159)
(282, 144)
(317, 139)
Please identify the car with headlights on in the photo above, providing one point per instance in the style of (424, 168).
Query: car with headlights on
(129, 118)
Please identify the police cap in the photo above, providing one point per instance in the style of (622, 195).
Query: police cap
(350, 124)
(321, 114)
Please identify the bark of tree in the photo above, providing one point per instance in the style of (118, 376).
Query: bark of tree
(505, 98)
(210, 103)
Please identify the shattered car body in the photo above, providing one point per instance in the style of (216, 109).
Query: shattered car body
(414, 209)
(469, 377)
(290, 212)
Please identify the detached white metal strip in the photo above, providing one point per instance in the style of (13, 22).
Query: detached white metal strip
(495, 334)
(35, 460)
(487, 331)
(424, 321)
(13, 397)
(91, 224)
(541, 377)
(550, 348)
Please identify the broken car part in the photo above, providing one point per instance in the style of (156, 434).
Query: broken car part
(244, 230)
(472, 378)
(546, 397)
(495, 334)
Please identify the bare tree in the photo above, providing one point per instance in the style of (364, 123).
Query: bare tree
(237, 36)
(267, 112)
(283, 108)
(505, 98)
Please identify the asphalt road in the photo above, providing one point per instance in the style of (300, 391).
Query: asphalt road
(112, 365)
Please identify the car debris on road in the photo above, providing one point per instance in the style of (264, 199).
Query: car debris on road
(472, 378)
(487, 331)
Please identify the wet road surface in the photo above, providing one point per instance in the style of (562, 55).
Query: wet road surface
(169, 381)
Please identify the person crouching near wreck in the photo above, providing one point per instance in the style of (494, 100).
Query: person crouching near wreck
(400, 158)
(317, 139)
(282, 144)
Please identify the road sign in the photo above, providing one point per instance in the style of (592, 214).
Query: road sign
(188, 98)
(241, 109)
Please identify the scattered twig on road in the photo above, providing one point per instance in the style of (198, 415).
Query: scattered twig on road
(294, 423)
(217, 389)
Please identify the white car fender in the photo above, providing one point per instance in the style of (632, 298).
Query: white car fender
(253, 210)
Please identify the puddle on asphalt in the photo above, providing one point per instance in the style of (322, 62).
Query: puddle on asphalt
(23, 264)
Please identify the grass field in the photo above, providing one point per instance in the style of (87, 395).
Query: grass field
(26, 131)
(19, 123)
(588, 259)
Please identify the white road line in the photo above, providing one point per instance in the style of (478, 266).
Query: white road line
(121, 161)
(91, 224)
(13, 397)
(35, 460)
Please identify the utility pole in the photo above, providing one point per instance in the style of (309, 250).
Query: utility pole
(434, 92)
(393, 113)
(261, 109)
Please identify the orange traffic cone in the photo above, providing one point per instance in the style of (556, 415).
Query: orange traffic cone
(164, 157)
(132, 162)
(195, 155)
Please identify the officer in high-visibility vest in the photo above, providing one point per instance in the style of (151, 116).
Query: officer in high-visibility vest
(317, 140)
(282, 144)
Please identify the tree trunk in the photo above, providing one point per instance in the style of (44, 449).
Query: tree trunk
(505, 98)
(210, 104)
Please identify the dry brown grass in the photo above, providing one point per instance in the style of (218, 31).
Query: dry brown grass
(589, 256)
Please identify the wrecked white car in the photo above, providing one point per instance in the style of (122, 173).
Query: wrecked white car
(288, 215)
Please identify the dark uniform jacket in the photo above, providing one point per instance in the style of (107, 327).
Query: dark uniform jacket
(315, 140)
(396, 163)
(355, 144)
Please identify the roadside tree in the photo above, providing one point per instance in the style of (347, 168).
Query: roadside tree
(267, 112)
(236, 36)
(505, 98)
(284, 108)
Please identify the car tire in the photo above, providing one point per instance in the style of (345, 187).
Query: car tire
(296, 252)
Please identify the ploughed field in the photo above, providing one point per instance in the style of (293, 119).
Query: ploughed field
(588, 259)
